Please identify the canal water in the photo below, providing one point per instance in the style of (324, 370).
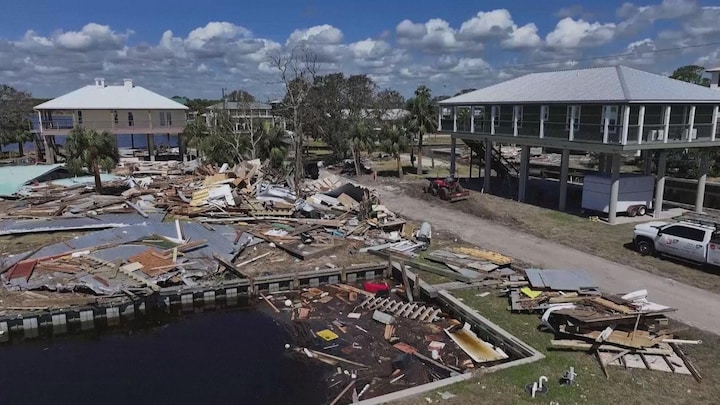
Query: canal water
(233, 357)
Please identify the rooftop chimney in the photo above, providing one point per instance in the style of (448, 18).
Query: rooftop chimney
(99, 82)
(714, 78)
(128, 83)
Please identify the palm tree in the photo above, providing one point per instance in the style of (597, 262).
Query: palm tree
(362, 137)
(421, 118)
(394, 141)
(88, 149)
(273, 144)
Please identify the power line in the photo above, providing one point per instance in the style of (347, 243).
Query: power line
(619, 55)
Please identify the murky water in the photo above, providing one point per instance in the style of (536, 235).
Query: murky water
(212, 358)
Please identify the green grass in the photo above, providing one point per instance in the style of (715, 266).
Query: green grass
(624, 386)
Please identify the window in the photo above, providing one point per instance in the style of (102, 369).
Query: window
(79, 118)
(115, 117)
(518, 115)
(576, 125)
(611, 113)
(165, 118)
(685, 232)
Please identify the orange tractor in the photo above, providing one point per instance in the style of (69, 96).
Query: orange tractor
(448, 189)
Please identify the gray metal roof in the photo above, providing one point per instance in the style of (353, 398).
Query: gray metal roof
(592, 85)
(233, 105)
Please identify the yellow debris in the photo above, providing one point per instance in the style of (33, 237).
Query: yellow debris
(493, 257)
(530, 293)
(327, 335)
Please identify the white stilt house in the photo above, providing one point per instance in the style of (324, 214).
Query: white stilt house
(607, 110)
(119, 109)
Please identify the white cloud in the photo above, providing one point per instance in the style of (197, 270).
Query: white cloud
(488, 24)
(570, 33)
(471, 66)
(319, 34)
(212, 32)
(435, 35)
(92, 36)
(523, 37)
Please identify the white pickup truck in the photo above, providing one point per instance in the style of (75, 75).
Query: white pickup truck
(685, 240)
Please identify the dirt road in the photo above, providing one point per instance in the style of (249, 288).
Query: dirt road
(696, 307)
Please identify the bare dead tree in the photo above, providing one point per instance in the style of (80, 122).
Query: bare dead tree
(297, 68)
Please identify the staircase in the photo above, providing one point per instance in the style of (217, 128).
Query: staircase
(504, 168)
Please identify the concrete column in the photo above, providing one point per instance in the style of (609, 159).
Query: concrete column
(453, 148)
(151, 146)
(454, 118)
(564, 166)
(470, 162)
(666, 124)
(647, 162)
(691, 123)
(181, 148)
(439, 127)
(660, 184)
(572, 123)
(488, 165)
(614, 188)
(606, 130)
(472, 122)
(625, 124)
(49, 152)
(493, 111)
(543, 109)
(641, 124)
(515, 120)
(713, 128)
(702, 178)
(524, 166)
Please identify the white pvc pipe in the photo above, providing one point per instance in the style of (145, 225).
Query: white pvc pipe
(682, 341)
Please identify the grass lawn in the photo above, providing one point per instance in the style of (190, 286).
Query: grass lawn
(631, 386)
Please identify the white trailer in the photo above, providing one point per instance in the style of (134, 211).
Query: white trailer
(635, 194)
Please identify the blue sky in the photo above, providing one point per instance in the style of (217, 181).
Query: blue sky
(195, 48)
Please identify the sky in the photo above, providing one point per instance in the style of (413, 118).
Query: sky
(196, 48)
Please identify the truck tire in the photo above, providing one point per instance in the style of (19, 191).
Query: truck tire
(632, 211)
(642, 210)
(645, 247)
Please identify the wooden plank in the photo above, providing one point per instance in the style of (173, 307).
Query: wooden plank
(611, 305)
(690, 366)
(231, 266)
(573, 344)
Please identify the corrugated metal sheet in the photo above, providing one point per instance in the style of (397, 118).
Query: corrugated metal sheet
(560, 279)
(17, 227)
(602, 84)
(12, 178)
(111, 98)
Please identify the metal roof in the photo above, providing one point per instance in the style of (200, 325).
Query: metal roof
(601, 84)
(102, 97)
(13, 178)
(234, 105)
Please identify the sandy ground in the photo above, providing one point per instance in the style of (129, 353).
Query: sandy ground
(695, 307)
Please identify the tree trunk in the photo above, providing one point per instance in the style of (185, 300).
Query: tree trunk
(356, 159)
(298, 153)
(399, 166)
(98, 181)
(21, 151)
(419, 156)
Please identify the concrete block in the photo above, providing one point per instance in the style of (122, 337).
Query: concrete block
(59, 324)
(314, 282)
(333, 279)
(273, 287)
(369, 275)
(87, 320)
(351, 278)
(4, 332)
(231, 292)
(128, 312)
(30, 328)
(112, 315)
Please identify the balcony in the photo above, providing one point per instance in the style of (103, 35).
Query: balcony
(60, 126)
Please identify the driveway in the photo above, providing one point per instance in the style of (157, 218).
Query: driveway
(695, 307)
